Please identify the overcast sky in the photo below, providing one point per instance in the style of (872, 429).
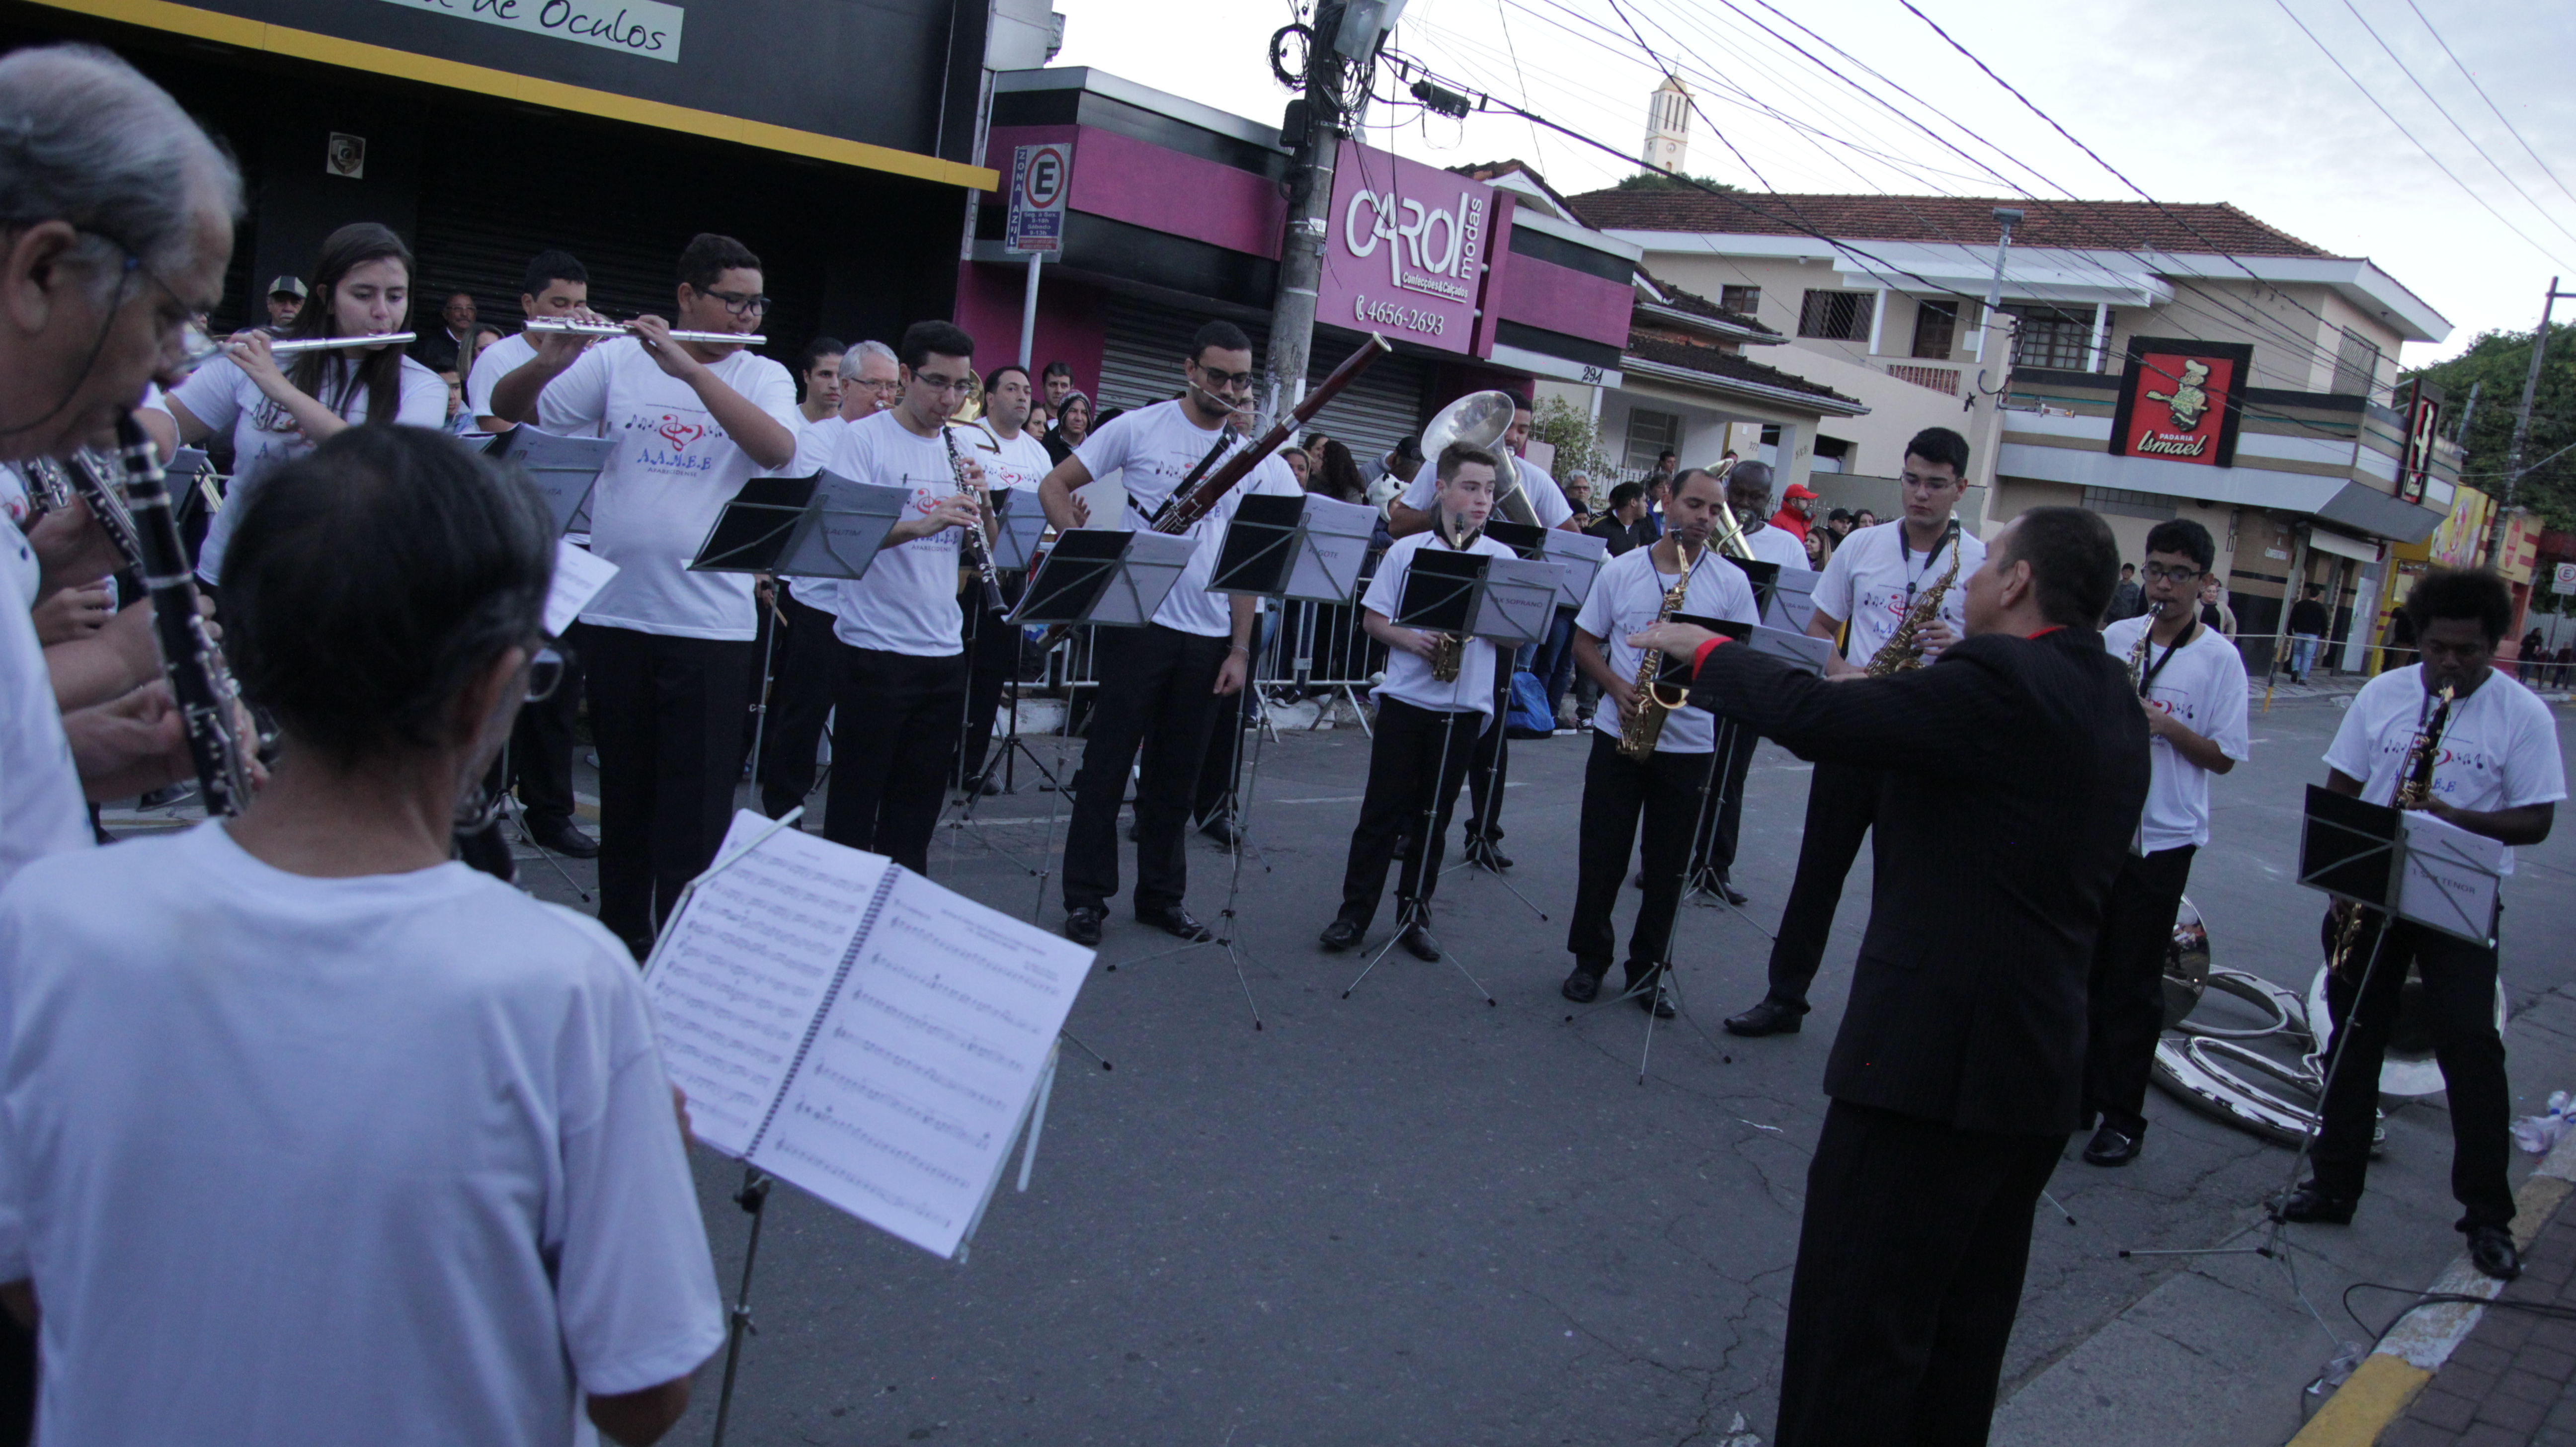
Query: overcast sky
(2193, 102)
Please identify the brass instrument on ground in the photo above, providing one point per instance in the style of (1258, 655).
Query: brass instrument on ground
(1900, 653)
(1639, 730)
(2414, 787)
(2146, 636)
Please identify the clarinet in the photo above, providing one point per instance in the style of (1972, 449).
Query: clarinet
(207, 697)
(978, 551)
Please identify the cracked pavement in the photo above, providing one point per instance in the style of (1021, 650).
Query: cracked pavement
(1408, 1218)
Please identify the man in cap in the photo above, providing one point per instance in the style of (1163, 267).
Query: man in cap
(285, 299)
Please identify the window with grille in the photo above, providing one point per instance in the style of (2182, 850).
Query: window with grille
(1936, 329)
(1649, 433)
(1745, 299)
(2048, 337)
(1836, 316)
(2356, 365)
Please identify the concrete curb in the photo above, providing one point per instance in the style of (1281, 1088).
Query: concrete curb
(2387, 1381)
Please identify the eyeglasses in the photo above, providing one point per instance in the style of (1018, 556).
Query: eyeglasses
(2159, 573)
(741, 306)
(1218, 381)
(941, 386)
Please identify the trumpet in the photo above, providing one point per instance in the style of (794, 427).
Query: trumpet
(555, 326)
(295, 345)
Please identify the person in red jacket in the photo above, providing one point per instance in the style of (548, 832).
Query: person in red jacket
(1797, 511)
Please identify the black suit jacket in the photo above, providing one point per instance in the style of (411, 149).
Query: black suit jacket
(2015, 769)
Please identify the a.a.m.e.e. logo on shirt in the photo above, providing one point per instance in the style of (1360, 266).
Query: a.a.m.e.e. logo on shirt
(675, 443)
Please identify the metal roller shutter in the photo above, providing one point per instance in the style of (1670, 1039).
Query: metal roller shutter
(1140, 364)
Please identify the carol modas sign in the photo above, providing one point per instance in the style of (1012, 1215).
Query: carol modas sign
(2181, 400)
(1404, 249)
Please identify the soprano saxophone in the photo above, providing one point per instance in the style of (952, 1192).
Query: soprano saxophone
(1643, 726)
(1901, 652)
(2146, 636)
(2414, 786)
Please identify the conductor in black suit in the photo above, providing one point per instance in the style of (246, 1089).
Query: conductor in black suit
(2020, 768)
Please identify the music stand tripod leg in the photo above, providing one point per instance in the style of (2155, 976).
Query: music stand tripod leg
(753, 1198)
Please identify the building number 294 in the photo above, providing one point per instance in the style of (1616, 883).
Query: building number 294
(1395, 314)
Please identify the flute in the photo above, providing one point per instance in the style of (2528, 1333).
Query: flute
(325, 344)
(550, 326)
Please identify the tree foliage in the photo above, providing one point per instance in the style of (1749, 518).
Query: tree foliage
(1667, 181)
(1576, 438)
(2496, 364)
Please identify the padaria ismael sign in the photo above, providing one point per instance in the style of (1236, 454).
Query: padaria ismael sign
(2181, 400)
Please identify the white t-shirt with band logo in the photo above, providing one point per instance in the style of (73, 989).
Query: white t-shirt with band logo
(1775, 545)
(673, 471)
(1016, 465)
(1408, 676)
(2201, 686)
(1547, 500)
(1626, 596)
(492, 364)
(265, 438)
(1877, 574)
(1152, 449)
(2499, 747)
(907, 603)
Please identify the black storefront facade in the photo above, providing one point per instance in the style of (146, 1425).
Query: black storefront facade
(834, 139)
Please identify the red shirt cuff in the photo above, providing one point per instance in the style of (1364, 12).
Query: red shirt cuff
(1700, 658)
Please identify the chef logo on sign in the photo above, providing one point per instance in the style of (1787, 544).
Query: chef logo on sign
(2180, 401)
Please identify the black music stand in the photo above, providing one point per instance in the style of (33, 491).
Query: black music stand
(1310, 548)
(1792, 599)
(1517, 606)
(1015, 544)
(823, 526)
(1582, 554)
(563, 469)
(1104, 576)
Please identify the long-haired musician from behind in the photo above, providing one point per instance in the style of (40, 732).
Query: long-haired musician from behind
(2496, 771)
(1671, 785)
(387, 1144)
(277, 408)
(1427, 725)
(2190, 682)
(1873, 582)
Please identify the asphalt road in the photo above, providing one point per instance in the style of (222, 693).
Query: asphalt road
(1411, 1217)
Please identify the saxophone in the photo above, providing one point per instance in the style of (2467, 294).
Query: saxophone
(2414, 787)
(1449, 650)
(2146, 636)
(1641, 728)
(1900, 652)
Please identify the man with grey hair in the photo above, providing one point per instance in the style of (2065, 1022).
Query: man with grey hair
(800, 692)
(116, 221)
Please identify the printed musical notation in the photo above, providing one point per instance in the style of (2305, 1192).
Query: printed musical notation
(859, 1031)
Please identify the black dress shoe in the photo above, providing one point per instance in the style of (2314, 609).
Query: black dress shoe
(2491, 1252)
(1404, 849)
(1082, 923)
(1582, 987)
(1482, 851)
(1338, 936)
(1417, 940)
(1727, 891)
(2314, 1205)
(2112, 1146)
(560, 837)
(1768, 1018)
(1176, 921)
(1655, 1000)
(1220, 829)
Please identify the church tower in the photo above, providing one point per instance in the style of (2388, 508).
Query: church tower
(1668, 126)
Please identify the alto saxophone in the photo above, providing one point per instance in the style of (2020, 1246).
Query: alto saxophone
(1449, 650)
(1642, 727)
(2414, 787)
(1900, 652)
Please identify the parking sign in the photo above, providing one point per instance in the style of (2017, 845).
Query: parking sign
(1040, 176)
(2566, 582)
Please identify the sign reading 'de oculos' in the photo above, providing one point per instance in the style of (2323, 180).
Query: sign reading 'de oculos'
(639, 27)
(1404, 249)
(2181, 400)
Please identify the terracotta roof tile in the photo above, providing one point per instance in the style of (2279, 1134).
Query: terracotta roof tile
(2099, 225)
(1729, 365)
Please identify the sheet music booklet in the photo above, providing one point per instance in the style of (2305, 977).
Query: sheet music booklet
(858, 1031)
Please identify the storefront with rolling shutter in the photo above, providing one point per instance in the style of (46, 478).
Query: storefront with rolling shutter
(1144, 342)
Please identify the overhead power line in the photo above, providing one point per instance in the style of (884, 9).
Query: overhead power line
(2471, 78)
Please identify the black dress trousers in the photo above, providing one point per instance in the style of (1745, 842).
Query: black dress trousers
(1157, 690)
(1666, 790)
(1910, 1262)
(803, 673)
(992, 660)
(894, 730)
(2125, 1004)
(667, 716)
(1416, 762)
(1841, 803)
(2459, 1001)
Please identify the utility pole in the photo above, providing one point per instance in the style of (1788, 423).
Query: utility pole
(1990, 440)
(1310, 195)
(2522, 422)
